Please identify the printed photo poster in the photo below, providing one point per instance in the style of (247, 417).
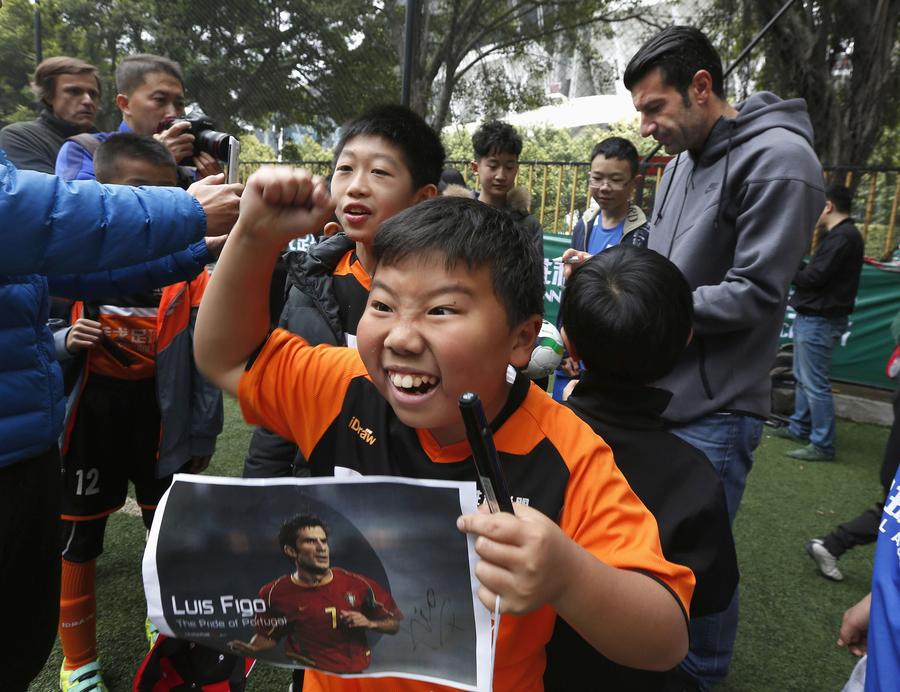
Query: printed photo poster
(364, 576)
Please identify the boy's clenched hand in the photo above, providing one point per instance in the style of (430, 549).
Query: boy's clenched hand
(282, 203)
(522, 558)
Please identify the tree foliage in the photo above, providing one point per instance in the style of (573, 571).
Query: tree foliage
(839, 55)
(455, 37)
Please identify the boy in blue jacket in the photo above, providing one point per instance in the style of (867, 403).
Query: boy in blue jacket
(54, 228)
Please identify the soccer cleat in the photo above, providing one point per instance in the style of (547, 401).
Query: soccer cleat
(810, 453)
(151, 631)
(84, 679)
(784, 433)
(825, 561)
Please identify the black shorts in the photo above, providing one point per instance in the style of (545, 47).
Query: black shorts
(115, 439)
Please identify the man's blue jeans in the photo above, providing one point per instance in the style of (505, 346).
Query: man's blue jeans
(728, 441)
(814, 339)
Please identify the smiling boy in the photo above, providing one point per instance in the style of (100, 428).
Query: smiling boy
(386, 160)
(456, 297)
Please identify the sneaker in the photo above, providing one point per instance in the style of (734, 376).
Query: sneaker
(151, 631)
(785, 433)
(810, 453)
(825, 561)
(84, 679)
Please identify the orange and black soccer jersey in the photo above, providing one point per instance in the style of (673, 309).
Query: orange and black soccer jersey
(351, 285)
(127, 350)
(308, 618)
(323, 399)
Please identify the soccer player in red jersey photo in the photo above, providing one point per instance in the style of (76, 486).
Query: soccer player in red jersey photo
(322, 612)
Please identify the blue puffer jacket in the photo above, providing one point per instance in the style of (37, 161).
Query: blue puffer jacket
(51, 227)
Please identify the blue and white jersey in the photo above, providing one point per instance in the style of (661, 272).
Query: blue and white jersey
(883, 667)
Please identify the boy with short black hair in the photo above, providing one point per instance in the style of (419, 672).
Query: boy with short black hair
(386, 160)
(138, 411)
(456, 298)
(626, 313)
(496, 147)
(613, 177)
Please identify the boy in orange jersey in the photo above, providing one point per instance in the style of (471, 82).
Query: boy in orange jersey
(456, 298)
(138, 410)
(386, 160)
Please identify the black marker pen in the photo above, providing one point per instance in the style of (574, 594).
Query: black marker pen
(484, 454)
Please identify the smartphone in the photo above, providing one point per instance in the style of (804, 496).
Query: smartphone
(484, 454)
(234, 158)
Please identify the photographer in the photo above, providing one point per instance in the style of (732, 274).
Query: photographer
(150, 95)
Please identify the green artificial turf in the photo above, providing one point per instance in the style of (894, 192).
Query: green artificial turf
(789, 614)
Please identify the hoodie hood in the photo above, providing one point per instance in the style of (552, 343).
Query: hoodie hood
(760, 112)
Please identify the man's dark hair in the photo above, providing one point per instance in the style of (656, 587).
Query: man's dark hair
(627, 312)
(287, 534)
(496, 137)
(128, 145)
(133, 70)
(475, 234)
(422, 150)
(840, 196)
(679, 52)
(617, 148)
(43, 84)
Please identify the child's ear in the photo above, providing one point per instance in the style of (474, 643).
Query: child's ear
(474, 168)
(525, 334)
(573, 354)
(425, 192)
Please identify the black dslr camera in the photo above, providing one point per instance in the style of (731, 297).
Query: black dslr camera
(205, 136)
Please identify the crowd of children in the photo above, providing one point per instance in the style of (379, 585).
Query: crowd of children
(427, 291)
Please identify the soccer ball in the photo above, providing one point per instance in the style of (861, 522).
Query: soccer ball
(547, 353)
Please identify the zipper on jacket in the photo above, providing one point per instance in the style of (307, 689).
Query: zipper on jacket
(701, 364)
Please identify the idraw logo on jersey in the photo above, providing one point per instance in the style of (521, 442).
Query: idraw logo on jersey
(365, 434)
(351, 598)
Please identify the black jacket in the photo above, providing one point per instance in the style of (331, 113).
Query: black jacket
(827, 286)
(312, 312)
(678, 485)
(33, 145)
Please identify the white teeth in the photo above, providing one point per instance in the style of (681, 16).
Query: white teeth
(411, 381)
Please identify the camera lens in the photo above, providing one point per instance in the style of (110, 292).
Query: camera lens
(215, 143)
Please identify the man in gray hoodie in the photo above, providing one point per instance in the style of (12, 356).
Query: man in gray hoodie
(734, 210)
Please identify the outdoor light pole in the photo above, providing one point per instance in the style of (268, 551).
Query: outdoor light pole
(38, 49)
(411, 7)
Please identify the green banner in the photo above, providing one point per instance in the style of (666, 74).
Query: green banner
(554, 246)
(863, 350)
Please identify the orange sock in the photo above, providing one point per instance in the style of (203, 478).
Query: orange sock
(78, 613)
